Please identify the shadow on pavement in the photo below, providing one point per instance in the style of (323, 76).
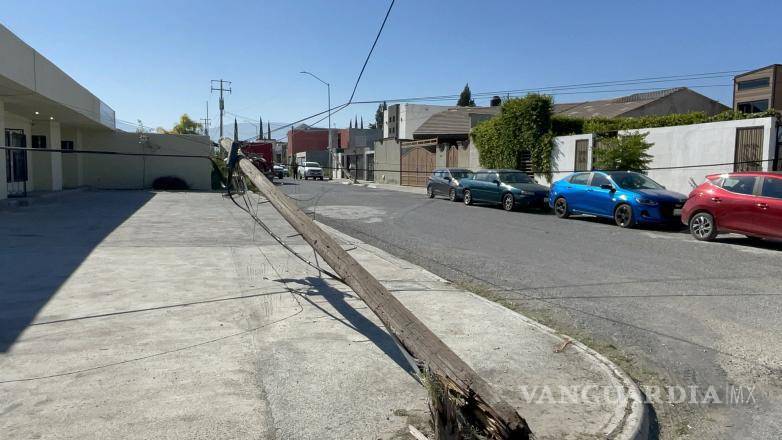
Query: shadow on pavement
(44, 243)
(352, 318)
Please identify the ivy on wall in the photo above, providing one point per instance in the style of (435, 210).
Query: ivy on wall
(523, 125)
(605, 125)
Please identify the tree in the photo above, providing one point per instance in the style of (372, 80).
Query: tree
(465, 98)
(496, 101)
(268, 130)
(186, 126)
(379, 116)
(260, 127)
(627, 153)
(523, 126)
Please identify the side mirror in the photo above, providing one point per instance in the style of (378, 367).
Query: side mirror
(448, 178)
(607, 186)
(496, 182)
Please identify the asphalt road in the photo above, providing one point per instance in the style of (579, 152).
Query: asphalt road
(668, 309)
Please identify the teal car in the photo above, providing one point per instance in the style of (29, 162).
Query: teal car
(509, 188)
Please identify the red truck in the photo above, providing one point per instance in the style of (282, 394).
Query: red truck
(261, 155)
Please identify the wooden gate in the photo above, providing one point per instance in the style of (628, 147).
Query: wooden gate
(749, 149)
(452, 156)
(417, 161)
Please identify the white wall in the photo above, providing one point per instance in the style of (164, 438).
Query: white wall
(135, 172)
(3, 183)
(563, 156)
(701, 144)
(678, 146)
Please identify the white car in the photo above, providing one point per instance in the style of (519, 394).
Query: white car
(310, 169)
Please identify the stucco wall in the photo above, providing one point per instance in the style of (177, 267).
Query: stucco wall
(33, 71)
(564, 156)
(700, 144)
(387, 161)
(680, 146)
(134, 172)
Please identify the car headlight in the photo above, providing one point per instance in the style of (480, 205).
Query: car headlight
(523, 192)
(648, 202)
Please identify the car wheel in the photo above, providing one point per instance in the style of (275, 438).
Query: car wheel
(452, 195)
(703, 227)
(320, 178)
(560, 208)
(429, 192)
(467, 197)
(508, 203)
(623, 216)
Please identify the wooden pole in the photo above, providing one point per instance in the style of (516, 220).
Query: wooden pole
(499, 419)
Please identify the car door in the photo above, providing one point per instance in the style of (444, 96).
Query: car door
(734, 204)
(598, 200)
(445, 182)
(768, 206)
(491, 188)
(575, 190)
(482, 187)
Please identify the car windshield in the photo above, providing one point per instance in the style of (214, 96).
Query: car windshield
(631, 180)
(312, 164)
(461, 174)
(518, 177)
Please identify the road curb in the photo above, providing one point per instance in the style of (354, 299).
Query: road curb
(634, 424)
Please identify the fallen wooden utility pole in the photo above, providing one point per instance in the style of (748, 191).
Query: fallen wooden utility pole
(481, 406)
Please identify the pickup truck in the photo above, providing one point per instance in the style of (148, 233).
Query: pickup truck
(310, 169)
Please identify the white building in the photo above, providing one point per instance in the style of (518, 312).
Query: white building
(400, 121)
(42, 107)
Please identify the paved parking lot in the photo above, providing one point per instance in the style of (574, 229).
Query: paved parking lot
(670, 310)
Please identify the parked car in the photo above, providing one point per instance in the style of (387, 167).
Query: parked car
(444, 182)
(310, 170)
(627, 197)
(262, 165)
(510, 188)
(745, 203)
(280, 170)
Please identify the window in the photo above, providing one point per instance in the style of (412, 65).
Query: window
(753, 84)
(66, 145)
(582, 155)
(739, 184)
(487, 177)
(632, 180)
(753, 106)
(599, 180)
(772, 187)
(518, 177)
(39, 141)
(579, 179)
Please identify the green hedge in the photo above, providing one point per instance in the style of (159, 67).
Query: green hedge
(606, 125)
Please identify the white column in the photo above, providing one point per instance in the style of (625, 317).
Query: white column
(3, 183)
(54, 137)
(78, 144)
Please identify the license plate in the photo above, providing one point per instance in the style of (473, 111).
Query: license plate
(677, 212)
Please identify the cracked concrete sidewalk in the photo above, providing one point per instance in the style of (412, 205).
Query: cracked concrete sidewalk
(133, 314)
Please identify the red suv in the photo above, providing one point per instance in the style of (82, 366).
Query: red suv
(748, 203)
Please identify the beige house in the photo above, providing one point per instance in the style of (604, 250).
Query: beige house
(758, 90)
(42, 108)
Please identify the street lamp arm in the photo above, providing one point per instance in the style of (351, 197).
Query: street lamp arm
(314, 76)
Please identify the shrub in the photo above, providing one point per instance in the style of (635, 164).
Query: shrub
(628, 152)
(606, 125)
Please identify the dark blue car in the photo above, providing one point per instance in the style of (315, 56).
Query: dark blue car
(627, 197)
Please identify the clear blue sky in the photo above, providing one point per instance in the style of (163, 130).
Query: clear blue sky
(152, 60)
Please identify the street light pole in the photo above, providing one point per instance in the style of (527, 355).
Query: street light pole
(328, 90)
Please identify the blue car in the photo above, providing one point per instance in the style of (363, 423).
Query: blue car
(627, 197)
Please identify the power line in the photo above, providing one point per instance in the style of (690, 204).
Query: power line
(372, 49)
